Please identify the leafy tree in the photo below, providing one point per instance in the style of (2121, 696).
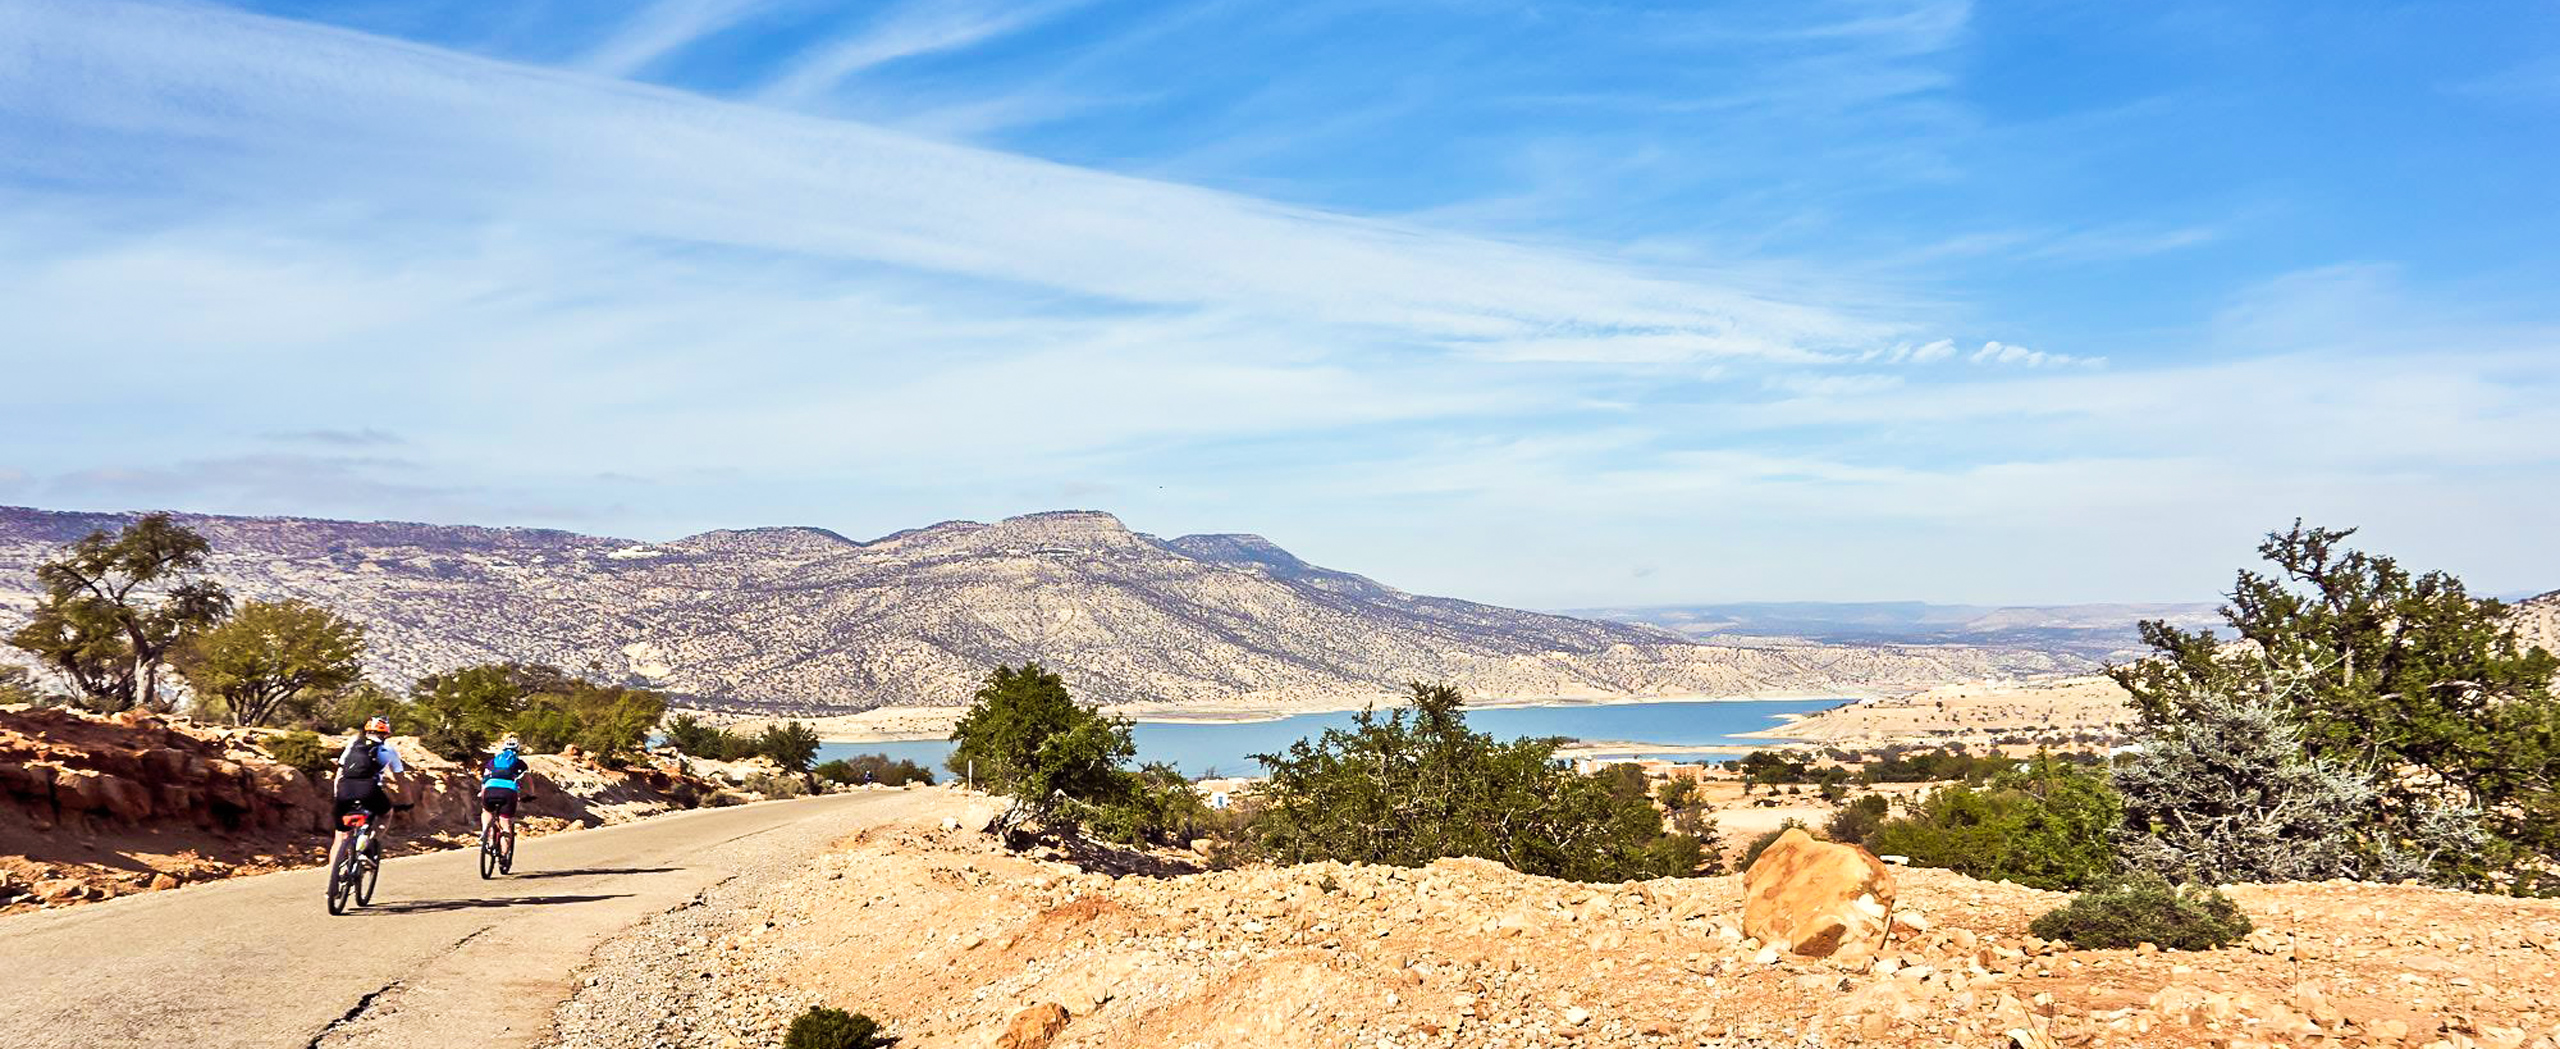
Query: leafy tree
(879, 768)
(271, 659)
(792, 745)
(1676, 793)
(347, 708)
(1066, 762)
(690, 735)
(457, 713)
(114, 607)
(2048, 826)
(1415, 785)
(2404, 675)
(1624, 780)
(1027, 737)
(608, 722)
(1857, 821)
(2228, 794)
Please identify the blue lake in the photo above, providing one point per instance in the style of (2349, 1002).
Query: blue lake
(1200, 748)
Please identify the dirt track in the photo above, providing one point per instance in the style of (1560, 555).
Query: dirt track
(442, 958)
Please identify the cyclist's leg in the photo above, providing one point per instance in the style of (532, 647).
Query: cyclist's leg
(338, 811)
(377, 807)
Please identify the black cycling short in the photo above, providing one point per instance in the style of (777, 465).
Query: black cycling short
(374, 802)
(500, 800)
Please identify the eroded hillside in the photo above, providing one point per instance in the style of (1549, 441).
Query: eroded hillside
(806, 620)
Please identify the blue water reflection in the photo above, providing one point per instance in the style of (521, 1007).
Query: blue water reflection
(1200, 749)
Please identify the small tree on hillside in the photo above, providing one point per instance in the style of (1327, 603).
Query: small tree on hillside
(1027, 737)
(1411, 786)
(2228, 794)
(272, 659)
(2406, 676)
(457, 713)
(114, 606)
(792, 745)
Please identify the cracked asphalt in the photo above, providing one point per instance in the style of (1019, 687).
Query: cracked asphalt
(441, 958)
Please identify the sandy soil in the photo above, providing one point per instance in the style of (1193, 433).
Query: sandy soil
(1973, 712)
(953, 942)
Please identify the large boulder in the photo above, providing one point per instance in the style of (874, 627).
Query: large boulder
(1818, 899)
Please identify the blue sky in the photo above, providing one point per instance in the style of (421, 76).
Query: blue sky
(1548, 304)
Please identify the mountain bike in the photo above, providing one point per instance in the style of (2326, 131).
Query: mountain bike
(360, 869)
(497, 848)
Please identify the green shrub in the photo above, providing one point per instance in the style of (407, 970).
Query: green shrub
(1751, 853)
(2144, 908)
(880, 767)
(1068, 763)
(1414, 785)
(824, 1028)
(1677, 793)
(688, 734)
(777, 785)
(305, 751)
(1857, 821)
(2048, 826)
(1674, 856)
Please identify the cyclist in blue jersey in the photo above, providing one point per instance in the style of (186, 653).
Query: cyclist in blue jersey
(499, 785)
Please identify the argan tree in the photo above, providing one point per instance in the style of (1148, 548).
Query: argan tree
(1411, 786)
(272, 659)
(115, 606)
(2227, 794)
(2403, 675)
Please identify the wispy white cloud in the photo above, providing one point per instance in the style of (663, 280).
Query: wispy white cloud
(242, 226)
(907, 30)
(662, 28)
(1997, 352)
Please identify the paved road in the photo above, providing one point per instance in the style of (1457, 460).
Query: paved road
(441, 958)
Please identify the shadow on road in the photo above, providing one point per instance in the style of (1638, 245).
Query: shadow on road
(580, 872)
(423, 906)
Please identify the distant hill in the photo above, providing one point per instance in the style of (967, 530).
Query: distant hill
(2099, 632)
(803, 619)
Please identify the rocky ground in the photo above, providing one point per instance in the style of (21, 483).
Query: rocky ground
(97, 807)
(937, 930)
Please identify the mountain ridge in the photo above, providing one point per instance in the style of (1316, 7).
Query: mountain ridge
(808, 620)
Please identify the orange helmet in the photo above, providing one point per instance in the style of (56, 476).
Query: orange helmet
(378, 723)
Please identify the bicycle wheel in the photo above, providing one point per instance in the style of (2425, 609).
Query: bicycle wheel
(488, 851)
(370, 874)
(507, 850)
(342, 882)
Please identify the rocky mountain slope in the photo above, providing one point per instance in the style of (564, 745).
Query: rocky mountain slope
(2102, 632)
(2538, 621)
(805, 620)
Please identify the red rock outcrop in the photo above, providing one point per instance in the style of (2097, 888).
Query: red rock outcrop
(97, 806)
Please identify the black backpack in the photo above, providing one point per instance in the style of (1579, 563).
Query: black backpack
(364, 762)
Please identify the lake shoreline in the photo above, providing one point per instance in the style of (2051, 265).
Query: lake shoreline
(921, 724)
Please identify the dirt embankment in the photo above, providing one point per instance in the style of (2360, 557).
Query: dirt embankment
(954, 942)
(94, 807)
